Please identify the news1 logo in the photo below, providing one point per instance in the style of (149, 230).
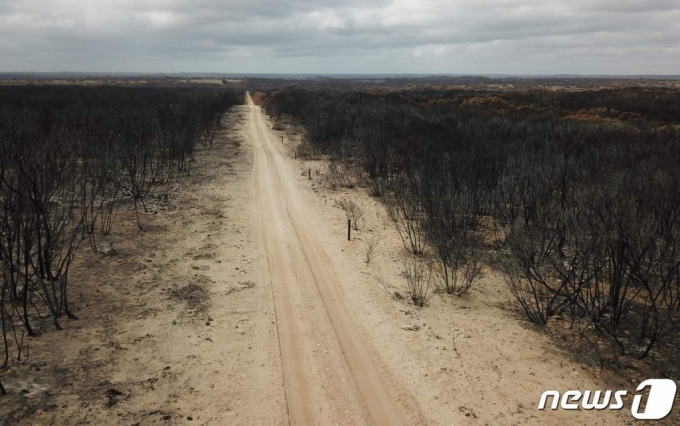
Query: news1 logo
(659, 401)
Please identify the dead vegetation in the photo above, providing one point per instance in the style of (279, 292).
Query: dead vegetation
(339, 175)
(353, 211)
(584, 214)
(371, 244)
(70, 160)
(419, 279)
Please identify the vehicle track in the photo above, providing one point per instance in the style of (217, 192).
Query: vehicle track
(290, 251)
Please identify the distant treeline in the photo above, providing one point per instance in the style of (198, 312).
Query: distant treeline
(638, 106)
(586, 216)
(68, 157)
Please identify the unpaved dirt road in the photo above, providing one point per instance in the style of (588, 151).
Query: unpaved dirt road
(340, 382)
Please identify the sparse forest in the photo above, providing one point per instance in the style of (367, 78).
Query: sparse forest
(453, 228)
(581, 216)
(70, 157)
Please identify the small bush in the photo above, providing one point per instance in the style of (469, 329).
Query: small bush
(353, 212)
(371, 244)
(418, 272)
(339, 176)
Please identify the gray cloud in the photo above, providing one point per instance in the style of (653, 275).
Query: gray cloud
(325, 36)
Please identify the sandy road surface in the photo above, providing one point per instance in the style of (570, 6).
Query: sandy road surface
(301, 278)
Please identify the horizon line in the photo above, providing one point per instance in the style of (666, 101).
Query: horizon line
(353, 74)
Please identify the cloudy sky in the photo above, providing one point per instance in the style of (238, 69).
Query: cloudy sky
(342, 36)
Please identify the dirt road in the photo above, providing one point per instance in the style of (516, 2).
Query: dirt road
(341, 382)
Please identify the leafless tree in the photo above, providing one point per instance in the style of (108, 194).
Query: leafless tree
(406, 212)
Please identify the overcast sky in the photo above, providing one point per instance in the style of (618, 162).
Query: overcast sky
(342, 36)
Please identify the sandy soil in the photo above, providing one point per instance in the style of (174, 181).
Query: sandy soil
(244, 303)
